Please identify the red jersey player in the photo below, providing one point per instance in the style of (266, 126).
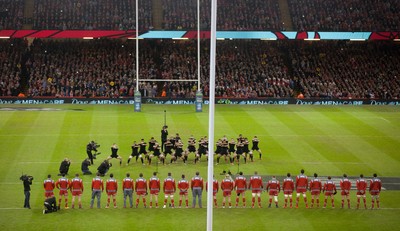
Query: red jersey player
(345, 186)
(273, 187)
(111, 190)
(301, 188)
(227, 186)
(330, 191)
(77, 190)
(97, 189)
(196, 184)
(241, 186)
(375, 186)
(315, 188)
(141, 189)
(63, 185)
(169, 189)
(361, 185)
(154, 187)
(127, 188)
(288, 188)
(183, 186)
(49, 186)
(215, 191)
(256, 187)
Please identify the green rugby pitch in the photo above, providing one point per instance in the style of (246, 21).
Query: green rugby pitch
(328, 140)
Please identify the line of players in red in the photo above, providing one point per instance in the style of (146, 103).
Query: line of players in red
(239, 186)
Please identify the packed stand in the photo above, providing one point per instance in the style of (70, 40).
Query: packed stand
(347, 69)
(100, 68)
(91, 15)
(11, 52)
(11, 14)
(349, 15)
(244, 68)
(231, 15)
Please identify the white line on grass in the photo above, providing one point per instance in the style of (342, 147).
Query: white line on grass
(321, 162)
(38, 162)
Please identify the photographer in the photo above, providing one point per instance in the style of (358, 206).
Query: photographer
(85, 167)
(92, 146)
(104, 167)
(27, 181)
(64, 167)
(50, 205)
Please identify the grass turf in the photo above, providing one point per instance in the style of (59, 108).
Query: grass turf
(329, 140)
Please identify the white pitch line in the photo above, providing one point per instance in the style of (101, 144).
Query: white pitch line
(38, 162)
(320, 162)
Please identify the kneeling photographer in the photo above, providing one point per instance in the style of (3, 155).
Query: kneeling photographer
(27, 182)
(50, 205)
(104, 167)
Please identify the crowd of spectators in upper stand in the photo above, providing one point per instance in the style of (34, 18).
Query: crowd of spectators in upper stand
(99, 68)
(231, 14)
(10, 65)
(346, 69)
(91, 14)
(345, 15)
(11, 14)
(244, 68)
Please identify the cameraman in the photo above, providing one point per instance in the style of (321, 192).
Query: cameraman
(92, 146)
(104, 167)
(27, 181)
(50, 204)
(85, 167)
(64, 167)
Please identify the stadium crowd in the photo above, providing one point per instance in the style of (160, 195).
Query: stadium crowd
(91, 15)
(245, 68)
(255, 15)
(11, 14)
(350, 15)
(232, 15)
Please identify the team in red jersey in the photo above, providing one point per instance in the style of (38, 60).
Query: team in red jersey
(63, 185)
(301, 188)
(375, 186)
(111, 190)
(330, 191)
(240, 186)
(141, 190)
(315, 188)
(154, 187)
(361, 185)
(183, 186)
(256, 186)
(273, 187)
(345, 187)
(227, 186)
(49, 186)
(169, 189)
(77, 190)
(288, 188)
